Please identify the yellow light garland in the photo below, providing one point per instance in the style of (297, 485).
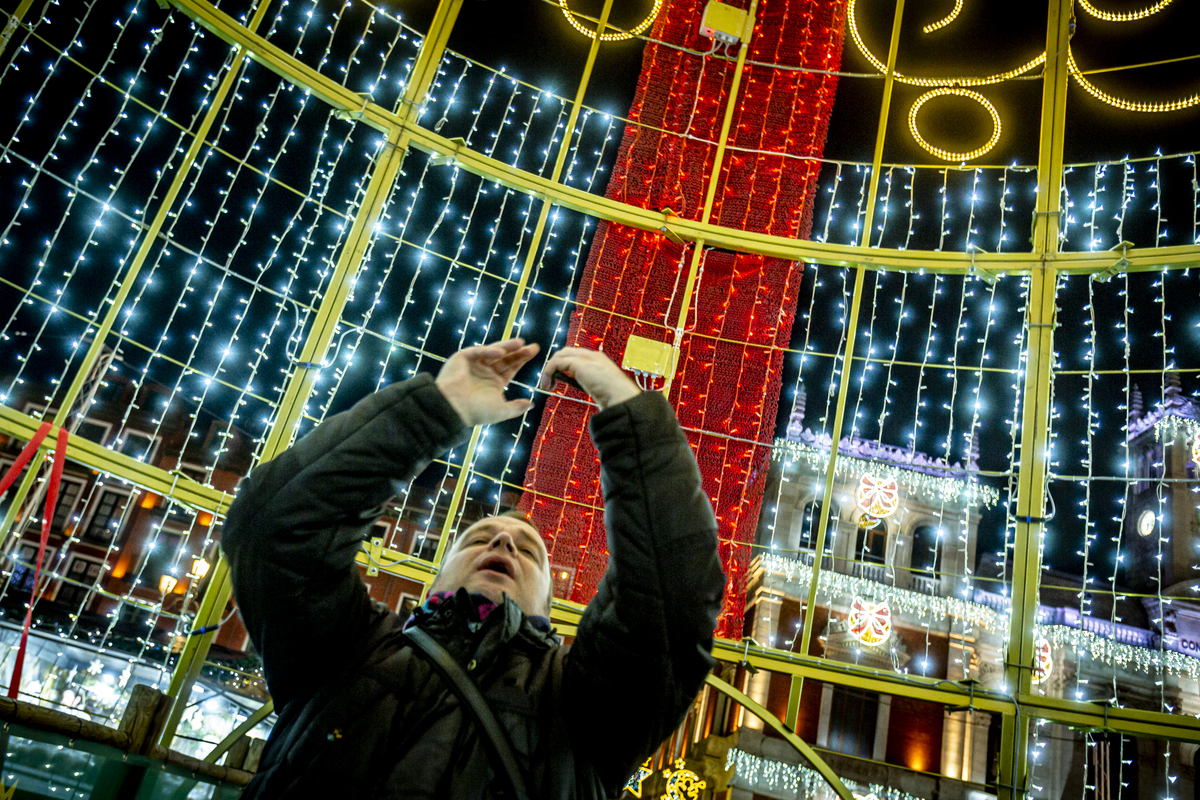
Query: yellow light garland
(953, 85)
(946, 20)
(611, 37)
(946, 154)
(933, 82)
(1121, 103)
(1126, 16)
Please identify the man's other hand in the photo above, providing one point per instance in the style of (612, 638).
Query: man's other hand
(594, 372)
(473, 381)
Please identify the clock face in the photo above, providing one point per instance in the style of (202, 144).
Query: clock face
(1145, 524)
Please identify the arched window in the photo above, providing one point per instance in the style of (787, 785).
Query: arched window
(870, 544)
(810, 523)
(926, 561)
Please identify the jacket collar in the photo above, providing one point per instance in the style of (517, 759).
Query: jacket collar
(454, 614)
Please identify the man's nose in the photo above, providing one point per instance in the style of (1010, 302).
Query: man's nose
(504, 539)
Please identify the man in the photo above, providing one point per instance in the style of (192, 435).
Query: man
(362, 713)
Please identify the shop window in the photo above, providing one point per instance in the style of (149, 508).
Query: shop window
(86, 572)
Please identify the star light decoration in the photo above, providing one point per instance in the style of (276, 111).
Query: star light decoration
(634, 784)
(870, 622)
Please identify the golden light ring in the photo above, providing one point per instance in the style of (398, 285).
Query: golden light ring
(1125, 16)
(946, 20)
(1120, 102)
(932, 82)
(611, 37)
(947, 155)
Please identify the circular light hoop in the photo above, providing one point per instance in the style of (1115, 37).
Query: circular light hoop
(947, 155)
(612, 37)
(1126, 16)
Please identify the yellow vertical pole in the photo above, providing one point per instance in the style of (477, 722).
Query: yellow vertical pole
(710, 194)
(1035, 415)
(510, 324)
(793, 706)
(14, 22)
(92, 357)
(291, 407)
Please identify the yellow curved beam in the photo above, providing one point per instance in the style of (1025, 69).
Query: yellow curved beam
(795, 741)
(985, 265)
(241, 730)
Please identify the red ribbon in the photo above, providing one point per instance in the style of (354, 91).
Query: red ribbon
(60, 453)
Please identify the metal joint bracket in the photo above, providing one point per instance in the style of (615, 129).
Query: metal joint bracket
(442, 159)
(1118, 266)
(350, 114)
(666, 229)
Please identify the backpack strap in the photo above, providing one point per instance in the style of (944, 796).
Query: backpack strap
(468, 694)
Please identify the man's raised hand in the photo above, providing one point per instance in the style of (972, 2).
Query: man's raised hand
(473, 381)
(595, 373)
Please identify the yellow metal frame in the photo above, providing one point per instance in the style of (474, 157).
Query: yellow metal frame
(1044, 264)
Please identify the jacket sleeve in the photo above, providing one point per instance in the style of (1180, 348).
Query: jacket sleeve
(299, 520)
(644, 643)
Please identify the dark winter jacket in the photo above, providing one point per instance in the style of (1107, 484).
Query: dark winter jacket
(363, 715)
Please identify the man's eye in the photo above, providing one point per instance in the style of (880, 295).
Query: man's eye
(527, 552)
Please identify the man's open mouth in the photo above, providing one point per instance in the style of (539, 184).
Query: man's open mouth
(497, 564)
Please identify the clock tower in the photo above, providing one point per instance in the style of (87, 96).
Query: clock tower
(1161, 528)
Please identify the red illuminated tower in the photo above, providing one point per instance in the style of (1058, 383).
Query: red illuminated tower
(730, 364)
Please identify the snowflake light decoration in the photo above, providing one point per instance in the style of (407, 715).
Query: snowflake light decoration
(870, 623)
(879, 497)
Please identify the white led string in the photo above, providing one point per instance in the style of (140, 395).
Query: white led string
(177, 555)
(1096, 205)
(823, 236)
(1066, 218)
(1004, 208)
(508, 472)
(886, 199)
(1156, 185)
(46, 255)
(190, 528)
(861, 212)
(943, 215)
(1010, 491)
(971, 229)
(41, 274)
(517, 247)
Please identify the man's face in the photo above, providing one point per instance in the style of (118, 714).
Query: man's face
(499, 555)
